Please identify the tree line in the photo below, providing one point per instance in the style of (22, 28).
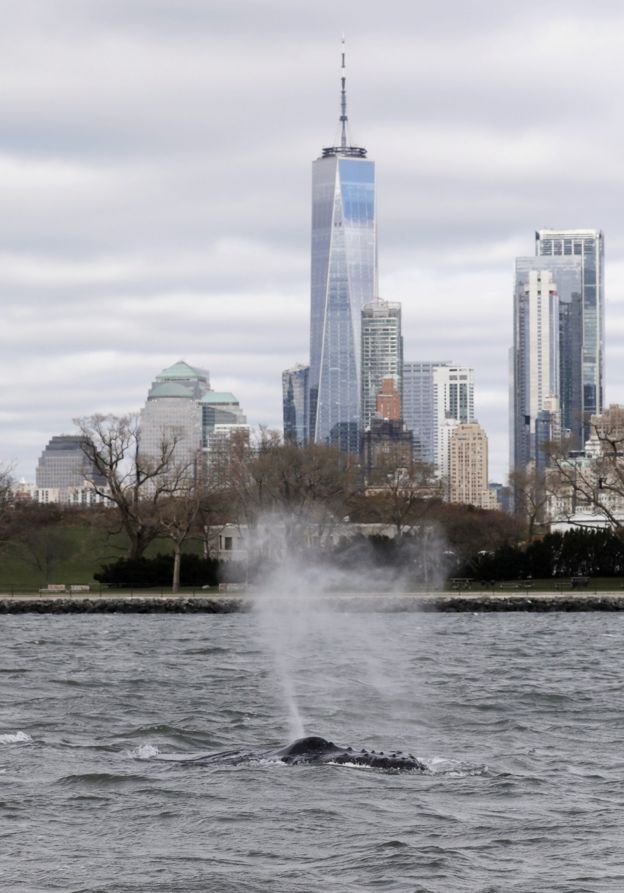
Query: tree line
(169, 494)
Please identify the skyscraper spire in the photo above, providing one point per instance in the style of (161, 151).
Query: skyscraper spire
(343, 148)
(343, 98)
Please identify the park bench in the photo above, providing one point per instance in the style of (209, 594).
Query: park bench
(572, 583)
(461, 582)
(60, 588)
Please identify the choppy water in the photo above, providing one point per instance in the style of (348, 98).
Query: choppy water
(520, 719)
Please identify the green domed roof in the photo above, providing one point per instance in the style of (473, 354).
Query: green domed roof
(170, 389)
(182, 370)
(218, 397)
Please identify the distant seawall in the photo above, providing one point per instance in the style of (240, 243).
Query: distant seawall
(342, 602)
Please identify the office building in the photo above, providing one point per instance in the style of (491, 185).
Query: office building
(182, 411)
(171, 417)
(220, 410)
(585, 347)
(63, 465)
(417, 407)
(295, 407)
(343, 280)
(381, 353)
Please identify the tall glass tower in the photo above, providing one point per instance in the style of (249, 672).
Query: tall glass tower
(547, 355)
(343, 280)
(587, 246)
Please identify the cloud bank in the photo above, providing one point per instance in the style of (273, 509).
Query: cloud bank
(155, 173)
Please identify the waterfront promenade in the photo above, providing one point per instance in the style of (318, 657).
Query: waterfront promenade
(227, 603)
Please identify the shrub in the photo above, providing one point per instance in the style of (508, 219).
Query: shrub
(129, 573)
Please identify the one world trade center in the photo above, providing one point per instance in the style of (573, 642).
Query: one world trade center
(343, 280)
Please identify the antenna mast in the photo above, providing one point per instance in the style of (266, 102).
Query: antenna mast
(344, 148)
(343, 99)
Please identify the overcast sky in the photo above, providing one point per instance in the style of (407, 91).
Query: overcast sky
(155, 167)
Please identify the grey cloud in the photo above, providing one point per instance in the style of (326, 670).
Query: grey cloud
(155, 171)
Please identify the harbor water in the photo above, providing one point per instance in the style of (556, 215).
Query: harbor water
(518, 717)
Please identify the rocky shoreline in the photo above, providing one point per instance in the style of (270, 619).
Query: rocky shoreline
(466, 602)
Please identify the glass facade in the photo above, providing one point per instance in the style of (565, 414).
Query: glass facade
(418, 409)
(381, 353)
(172, 413)
(181, 407)
(296, 413)
(543, 286)
(343, 280)
(63, 464)
(587, 246)
(219, 409)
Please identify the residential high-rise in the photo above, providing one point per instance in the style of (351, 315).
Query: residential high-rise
(547, 356)
(587, 246)
(453, 401)
(468, 467)
(382, 353)
(296, 411)
(535, 357)
(417, 407)
(343, 280)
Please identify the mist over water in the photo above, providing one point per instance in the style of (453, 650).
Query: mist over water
(297, 609)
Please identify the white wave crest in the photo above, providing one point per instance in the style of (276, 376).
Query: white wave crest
(144, 752)
(15, 738)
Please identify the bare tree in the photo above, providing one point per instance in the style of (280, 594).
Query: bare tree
(6, 483)
(310, 482)
(135, 481)
(6, 502)
(46, 548)
(306, 487)
(532, 491)
(179, 515)
(403, 492)
(593, 483)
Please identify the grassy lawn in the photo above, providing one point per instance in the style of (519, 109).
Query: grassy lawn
(79, 550)
(82, 551)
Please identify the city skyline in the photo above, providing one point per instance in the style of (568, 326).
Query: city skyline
(141, 178)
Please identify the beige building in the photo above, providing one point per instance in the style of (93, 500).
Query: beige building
(468, 467)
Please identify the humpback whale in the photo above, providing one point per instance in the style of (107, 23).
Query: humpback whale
(313, 749)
